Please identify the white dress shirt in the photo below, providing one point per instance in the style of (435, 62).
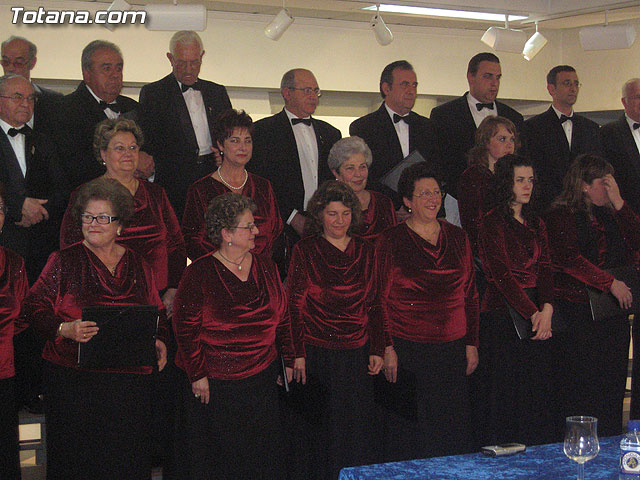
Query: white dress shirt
(479, 115)
(18, 144)
(402, 130)
(567, 125)
(198, 115)
(635, 133)
(107, 111)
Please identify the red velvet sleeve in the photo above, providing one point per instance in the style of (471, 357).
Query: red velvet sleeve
(176, 250)
(471, 192)
(39, 306)
(195, 236)
(544, 282)
(629, 225)
(297, 287)
(472, 299)
(379, 314)
(70, 231)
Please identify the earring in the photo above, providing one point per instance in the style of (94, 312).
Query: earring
(230, 243)
(222, 153)
(119, 232)
(409, 209)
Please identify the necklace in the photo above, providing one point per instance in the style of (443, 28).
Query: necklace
(237, 264)
(246, 177)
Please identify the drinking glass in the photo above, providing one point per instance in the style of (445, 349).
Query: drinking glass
(581, 441)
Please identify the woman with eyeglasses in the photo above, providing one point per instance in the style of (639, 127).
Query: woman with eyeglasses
(13, 289)
(429, 306)
(231, 322)
(233, 131)
(516, 374)
(98, 420)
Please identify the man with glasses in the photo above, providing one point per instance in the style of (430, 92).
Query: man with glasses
(177, 115)
(554, 138)
(19, 56)
(96, 98)
(456, 121)
(394, 131)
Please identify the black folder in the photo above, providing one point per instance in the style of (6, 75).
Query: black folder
(126, 337)
(524, 326)
(604, 305)
(391, 178)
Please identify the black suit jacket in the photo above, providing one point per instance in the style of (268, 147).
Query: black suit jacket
(377, 130)
(169, 134)
(621, 150)
(275, 157)
(546, 145)
(76, 120)
(43, 180)
(456, 130)
(45, 109)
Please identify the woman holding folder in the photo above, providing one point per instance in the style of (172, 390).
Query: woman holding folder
(515, 373)
(591, 230)
(98, 420)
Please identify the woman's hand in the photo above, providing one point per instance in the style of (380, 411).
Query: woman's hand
(161, 354)
(300, 370)
(167, 299)
(472, 359)
(390, 365)
(200, 389)
(375, 364)
(622, 293)
(541, 322)
(613, 192)
(289, 373)
(79, 331)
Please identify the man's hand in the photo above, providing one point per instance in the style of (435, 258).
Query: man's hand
(146, 165)
(33, 212)
(297, 222)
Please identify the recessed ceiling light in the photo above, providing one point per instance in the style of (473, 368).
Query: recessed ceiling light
(441, 12)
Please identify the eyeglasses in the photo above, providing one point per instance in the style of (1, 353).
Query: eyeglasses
(249, 227)
(100, 219)
(121, 149)
(19, 98)
(308, 91)
(430, 195)
(16, 63)
(571, 83)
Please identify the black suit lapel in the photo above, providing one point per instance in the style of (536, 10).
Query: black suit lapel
(557, 132)
(468, 123)
(289, 143)
(180, 106)
(628, 142)
(388, 131)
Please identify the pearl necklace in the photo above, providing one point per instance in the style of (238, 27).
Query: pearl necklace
(246, 177)
(237, 264)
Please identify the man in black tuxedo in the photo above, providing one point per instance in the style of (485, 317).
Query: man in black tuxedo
(290, 149)
(177, 115)
(554, 138)
(96, 98)
(621, 145)
(19, 56)
(456, 121)
(394, 131)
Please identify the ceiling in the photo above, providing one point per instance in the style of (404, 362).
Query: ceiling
(551, 14)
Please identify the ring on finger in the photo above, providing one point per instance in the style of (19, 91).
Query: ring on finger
(84, 335)
(197, 395)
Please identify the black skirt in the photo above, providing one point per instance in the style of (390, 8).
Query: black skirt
(98, 424)
(9, 454)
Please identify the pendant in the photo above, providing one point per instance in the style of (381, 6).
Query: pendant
(239, 267)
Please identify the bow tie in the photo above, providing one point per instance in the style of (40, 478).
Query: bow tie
(114, 107)
(636, 126)
(306, 121)
(480, 106)
(397, 118)
(564, 118)
(195, 86)
(25, 130)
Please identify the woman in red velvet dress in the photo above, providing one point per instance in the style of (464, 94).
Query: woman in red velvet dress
(429, 305)
(591, 228)
(349, 160)
(13, 289)
(154, 231)
(331, 287)
(233, 131)
(98, 421)
(230, 321)
(516, 374)
(495, 138)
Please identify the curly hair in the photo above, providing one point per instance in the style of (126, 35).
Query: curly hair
(108, 190)
(223, 212)
(414, 173)
(228, 121)
(479, 153)
(108, 128)
(501, 190)
(332, 191)
(346, 148)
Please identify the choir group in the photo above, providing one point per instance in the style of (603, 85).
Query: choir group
(330, 315)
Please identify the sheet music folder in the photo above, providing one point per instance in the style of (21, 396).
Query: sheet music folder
(391, 179)
(604, 305)
(126, 337)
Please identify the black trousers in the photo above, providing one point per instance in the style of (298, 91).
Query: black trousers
(9, 447)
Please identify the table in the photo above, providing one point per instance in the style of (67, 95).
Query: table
(541, 462)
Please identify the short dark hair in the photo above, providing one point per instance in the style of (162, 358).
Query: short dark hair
(108, 128)
(86, 60)
(553, 73)
(228, 121)
(501, 190)
(414, 173)
(223, 212)
(474, 63)
(332, 191)
(478, 155)
(387, 73)
(108, 190)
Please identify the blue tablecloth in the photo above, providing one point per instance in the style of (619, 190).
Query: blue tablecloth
(542, 462)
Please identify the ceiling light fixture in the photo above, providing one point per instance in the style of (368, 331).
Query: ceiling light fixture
(505, 39)
(441, 12)
(534, 45)
(380, 29)
(607, 37)
(279, 24)
(120, 5)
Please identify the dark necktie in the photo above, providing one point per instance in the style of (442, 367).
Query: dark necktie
(397, 118)
(480, 106)
(114, 107)
(564, 118)
(636, 126)
(25, 130)
(195, 86)
(306, 121)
